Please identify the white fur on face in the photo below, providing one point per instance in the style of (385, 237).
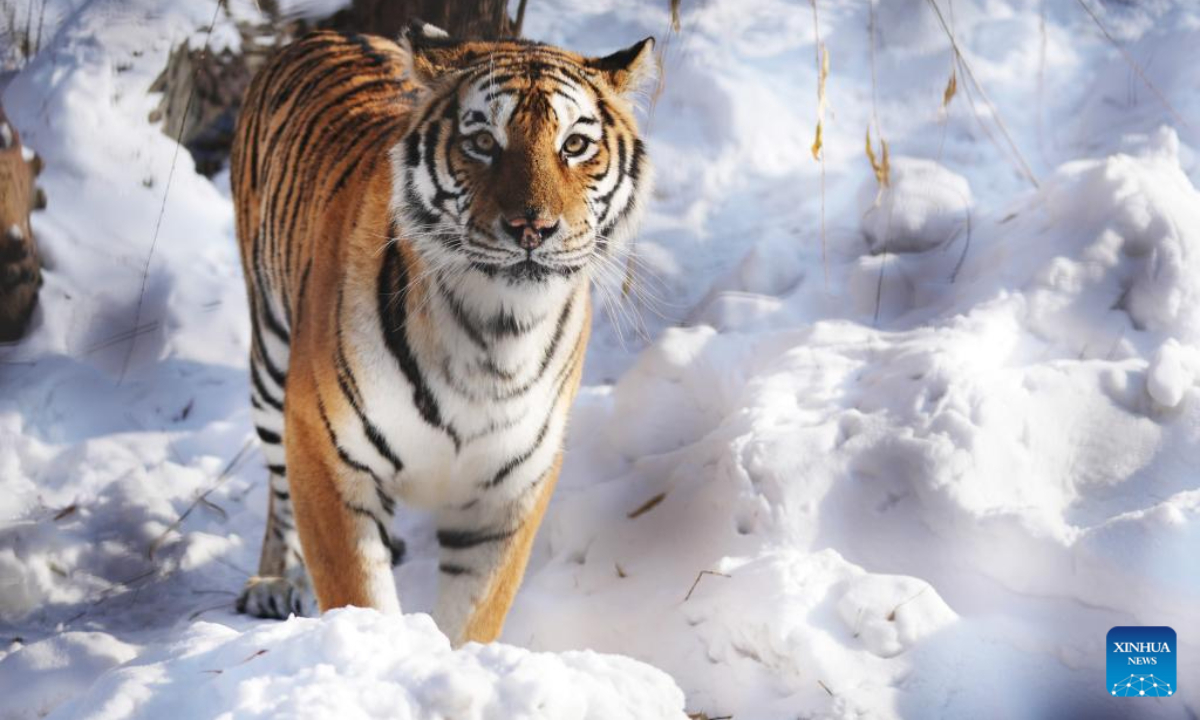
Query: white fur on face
(444, 233)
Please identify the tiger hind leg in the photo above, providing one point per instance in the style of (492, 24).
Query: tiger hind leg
(281, 587)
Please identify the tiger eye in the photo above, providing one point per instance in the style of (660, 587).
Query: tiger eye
(484, 142)
(575, 145)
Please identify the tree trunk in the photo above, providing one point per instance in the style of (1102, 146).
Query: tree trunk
(202, 92)
(467, 19)
(20, 268)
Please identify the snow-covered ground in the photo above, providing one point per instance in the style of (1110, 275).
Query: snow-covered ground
(918, 473)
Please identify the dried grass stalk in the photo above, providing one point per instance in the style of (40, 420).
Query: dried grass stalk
(951, 89)
(822, 57)
(879, 165)
(822, 76)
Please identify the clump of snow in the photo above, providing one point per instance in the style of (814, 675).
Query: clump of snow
(356, 663)
(310, 9)
(1173, 371)
(923, 207)
(890, 614)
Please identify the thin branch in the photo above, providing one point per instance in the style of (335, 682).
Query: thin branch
(874, 82)
(892, 615)
(647, 506)
(950, 91)
(37, 43)
(1041, 83)
(674, 27)
(224, 477)
(26, 46)
(187, 107)
(696, 582)
(821, 56)
(1136, 67)
(1024, 166)
(966, 248)
(520, 19)
(883, 260)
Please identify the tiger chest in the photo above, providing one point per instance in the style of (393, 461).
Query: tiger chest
(491, 451)
(463, 421)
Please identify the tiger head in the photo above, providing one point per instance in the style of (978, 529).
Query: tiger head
(522, 164)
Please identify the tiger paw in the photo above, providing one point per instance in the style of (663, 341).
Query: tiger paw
(275, 598)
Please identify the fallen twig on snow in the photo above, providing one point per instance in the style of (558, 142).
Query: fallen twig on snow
(647, 506)
(696, 582)
(202, 498)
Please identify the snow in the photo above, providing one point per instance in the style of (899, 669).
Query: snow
(63, 665)
(914, 464)
(357, 663)
(1173, 371)
(924, 206)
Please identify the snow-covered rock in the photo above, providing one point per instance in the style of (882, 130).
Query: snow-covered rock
(924, 206)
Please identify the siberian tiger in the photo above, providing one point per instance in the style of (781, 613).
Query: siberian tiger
(419, 223)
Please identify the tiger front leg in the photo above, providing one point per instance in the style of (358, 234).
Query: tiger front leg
(341, 517)
(484, 550)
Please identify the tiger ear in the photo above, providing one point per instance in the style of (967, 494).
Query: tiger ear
(626, 70)
(432, 52)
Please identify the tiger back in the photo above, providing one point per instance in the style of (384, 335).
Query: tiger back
(419, 225)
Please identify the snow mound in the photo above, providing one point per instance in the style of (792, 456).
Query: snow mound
(65, 666)
(1126, 266)
(356, 663)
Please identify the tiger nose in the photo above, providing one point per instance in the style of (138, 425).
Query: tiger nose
(530, 232)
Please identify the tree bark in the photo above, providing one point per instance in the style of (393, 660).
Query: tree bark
(467, 19)
(202, 93)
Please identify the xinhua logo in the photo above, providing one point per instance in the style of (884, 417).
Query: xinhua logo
(1141, 662)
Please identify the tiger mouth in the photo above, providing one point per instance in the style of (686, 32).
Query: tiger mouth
(527, 270)
(487, 257)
